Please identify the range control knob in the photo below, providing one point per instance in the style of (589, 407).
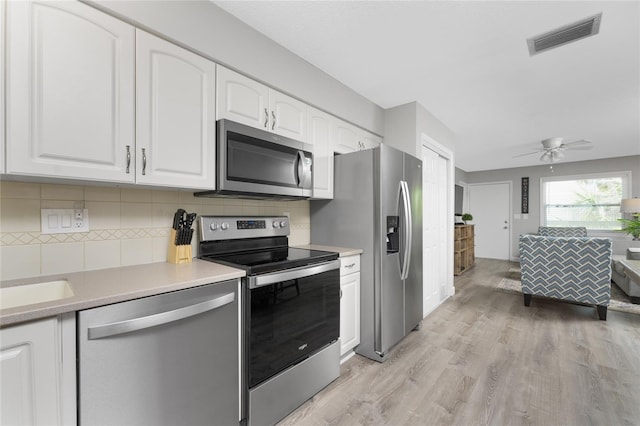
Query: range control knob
(224, 226)
(283, 224)
(276, 224)
(214, 226)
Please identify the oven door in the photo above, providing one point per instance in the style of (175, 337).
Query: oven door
(290, 315)
(252, 161)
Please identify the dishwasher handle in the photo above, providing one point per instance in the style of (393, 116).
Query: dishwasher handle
(135, 324)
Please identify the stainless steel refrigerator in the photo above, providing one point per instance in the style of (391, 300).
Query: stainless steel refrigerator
(377, 206)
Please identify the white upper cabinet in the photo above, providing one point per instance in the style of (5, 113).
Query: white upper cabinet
(175, 115)
(347, 138)
(288, 116)
(350, 138)
(246, 101)
(370, 140)
(321, 127)
(70, 92)
(2, 72)
(241, 99)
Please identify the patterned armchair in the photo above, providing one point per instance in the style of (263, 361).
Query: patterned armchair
(567, 268)
(562, 231)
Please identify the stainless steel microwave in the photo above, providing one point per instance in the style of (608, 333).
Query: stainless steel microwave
(253, 163)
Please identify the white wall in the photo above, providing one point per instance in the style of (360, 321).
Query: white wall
(216, 34)
(405, 125)
(520, 226)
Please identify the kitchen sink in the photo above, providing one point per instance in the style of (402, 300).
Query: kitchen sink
(29, 294)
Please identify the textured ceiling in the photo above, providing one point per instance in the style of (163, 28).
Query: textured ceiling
(467, 63)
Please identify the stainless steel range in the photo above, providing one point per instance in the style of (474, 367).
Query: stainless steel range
(291, 312)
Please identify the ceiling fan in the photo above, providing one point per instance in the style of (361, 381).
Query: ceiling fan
(552, 148)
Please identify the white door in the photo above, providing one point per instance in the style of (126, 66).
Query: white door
(288, 116)
(175, 115)
(489, 204)
(241, 99)
(70, 92)
(434, 210)
(321, 128)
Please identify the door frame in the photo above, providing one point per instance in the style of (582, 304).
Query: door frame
(430, 143)
(510, 212)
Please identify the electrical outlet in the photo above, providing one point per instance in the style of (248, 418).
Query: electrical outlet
(64, 221)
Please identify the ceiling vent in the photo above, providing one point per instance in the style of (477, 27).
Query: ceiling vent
(566, 34)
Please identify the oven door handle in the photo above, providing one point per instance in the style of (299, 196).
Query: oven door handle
(292, 274)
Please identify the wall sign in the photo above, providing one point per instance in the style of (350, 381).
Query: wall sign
(525, 195)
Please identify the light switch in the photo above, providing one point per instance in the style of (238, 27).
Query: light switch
(53, 221)
(66, 221)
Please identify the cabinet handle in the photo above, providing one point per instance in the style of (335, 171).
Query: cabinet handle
(266, 118)
(128, 159)
(340, 293)
(350, 266)
(144, 162)
(273, 123)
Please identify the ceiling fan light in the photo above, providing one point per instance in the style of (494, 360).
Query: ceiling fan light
(558, 155)
(546, 156)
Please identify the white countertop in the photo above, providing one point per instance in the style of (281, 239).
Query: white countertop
(105, 286)
(342, 251)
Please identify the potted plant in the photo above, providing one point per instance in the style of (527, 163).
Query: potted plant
(466, 217)
(630, 226)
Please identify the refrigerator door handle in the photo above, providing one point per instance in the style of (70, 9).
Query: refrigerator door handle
(408, 235)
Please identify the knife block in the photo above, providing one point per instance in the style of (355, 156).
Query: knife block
(178, 254)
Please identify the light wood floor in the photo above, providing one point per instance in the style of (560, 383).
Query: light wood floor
(483, 358)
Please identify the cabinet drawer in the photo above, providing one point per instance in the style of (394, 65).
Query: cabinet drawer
(349, 265)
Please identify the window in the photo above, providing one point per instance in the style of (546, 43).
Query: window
(592, 201)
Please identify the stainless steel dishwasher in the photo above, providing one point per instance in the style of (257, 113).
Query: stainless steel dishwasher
(170, 359)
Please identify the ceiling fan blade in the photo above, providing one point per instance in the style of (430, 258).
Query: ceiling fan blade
(528, 153)
(579, 148)
(580, 142)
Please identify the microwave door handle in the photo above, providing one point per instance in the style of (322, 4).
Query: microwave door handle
(303, 170)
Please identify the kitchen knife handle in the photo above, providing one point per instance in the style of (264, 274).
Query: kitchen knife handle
(128, 158)
(266, 118)
(144, 162)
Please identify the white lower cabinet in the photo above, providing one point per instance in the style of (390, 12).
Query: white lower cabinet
(38, 370)
(349, 304)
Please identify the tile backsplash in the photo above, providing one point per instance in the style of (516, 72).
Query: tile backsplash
(127, 226)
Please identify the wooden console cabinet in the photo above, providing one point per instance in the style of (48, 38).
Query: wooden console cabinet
(464, 253)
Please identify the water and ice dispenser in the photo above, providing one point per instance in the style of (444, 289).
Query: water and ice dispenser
(393, 234)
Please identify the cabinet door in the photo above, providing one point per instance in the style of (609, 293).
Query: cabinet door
(321, 133)
(2, 97)
(349, 312)
(370, 140)
(175, 115)
(288, 116)
(70, 91)
(35, 380)
(242, 99)
(347, 138)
